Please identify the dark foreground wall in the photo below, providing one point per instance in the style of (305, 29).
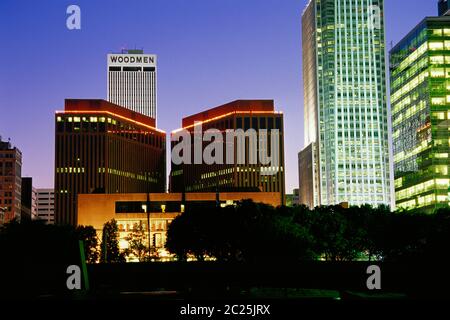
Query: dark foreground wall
(214, 279)
(412, 279)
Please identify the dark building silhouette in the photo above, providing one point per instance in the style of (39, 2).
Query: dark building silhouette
(28, 198)
(101, 147)
(444, 7)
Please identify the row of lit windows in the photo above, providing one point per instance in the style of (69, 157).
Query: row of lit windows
(156, 225)
(86, 119)
(128, 174)
(362, 198)
(406, 114)
(407, 87)
(70, 170)
(440, 60)
(411, 58)
(424, 201)
(217, 173)
(440, 32)
(401, 156)
(203, 185)
(103, 170)
(177, 173)
(421, 188)
(267, 169)
(440, 101)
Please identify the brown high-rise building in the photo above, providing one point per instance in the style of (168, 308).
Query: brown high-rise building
(101, 147)
(253, 122)
(10, 182)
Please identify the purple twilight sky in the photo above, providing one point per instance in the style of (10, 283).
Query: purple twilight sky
(209, 52)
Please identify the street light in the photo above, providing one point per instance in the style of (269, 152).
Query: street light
(146, 207)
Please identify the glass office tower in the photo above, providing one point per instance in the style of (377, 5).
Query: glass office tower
(345, 102)
(420, 101)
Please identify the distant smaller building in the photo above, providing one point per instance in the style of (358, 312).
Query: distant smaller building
(293, 199)
(10, 181)
(45, 205)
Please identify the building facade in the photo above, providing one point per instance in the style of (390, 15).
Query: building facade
(45, 205)
(247, 131)
(104, 148)
(131, 209)
(420, 103)
(132, 81)
(10, 181)
(345, 103)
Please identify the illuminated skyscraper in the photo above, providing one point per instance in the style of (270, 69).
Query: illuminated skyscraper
(420, 101)
(132, 81)
(344, 104)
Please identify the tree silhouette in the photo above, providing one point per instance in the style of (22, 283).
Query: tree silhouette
(110, 251)
(89, 237)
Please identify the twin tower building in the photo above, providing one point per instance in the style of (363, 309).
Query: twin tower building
(114, 148)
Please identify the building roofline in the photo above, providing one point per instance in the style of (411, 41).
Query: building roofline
(234, 106)
(423, 21)
(100, 106)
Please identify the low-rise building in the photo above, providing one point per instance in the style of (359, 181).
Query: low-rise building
(131, 209)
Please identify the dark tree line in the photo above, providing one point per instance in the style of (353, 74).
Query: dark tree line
(34, 256)
(35, 241)
(253, 232)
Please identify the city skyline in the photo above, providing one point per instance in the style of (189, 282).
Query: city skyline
(271, 73)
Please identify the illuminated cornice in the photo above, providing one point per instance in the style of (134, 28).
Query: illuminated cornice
(111, 114)
(224, 116)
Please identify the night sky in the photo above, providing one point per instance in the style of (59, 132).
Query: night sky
(209, 52)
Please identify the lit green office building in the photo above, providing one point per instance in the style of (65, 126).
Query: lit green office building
(420, 103)
(346, 154)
